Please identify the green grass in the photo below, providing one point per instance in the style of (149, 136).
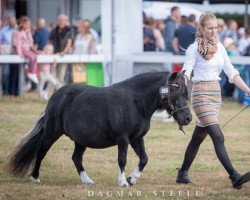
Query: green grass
(165, 146)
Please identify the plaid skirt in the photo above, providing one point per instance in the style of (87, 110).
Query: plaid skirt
(206, 102)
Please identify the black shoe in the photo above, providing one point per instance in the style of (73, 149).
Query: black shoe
(238, 180)
(182, 177)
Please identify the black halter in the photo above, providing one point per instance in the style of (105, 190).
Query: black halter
(167, 96)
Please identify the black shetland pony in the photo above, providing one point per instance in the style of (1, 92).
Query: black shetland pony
(103, 117)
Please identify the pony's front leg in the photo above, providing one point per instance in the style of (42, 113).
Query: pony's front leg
(122, 160)
(139, 148)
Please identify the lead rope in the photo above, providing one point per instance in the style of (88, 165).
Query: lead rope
(234, 116)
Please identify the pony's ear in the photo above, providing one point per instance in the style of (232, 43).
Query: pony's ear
(173, 76)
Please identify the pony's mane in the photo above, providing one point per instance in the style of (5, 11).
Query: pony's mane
(142, 77)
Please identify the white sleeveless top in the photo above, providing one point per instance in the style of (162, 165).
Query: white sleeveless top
(81, 44)
(208, 70)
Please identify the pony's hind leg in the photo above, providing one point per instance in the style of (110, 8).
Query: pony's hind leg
(139, 148)
(77, 159)
(46, 143)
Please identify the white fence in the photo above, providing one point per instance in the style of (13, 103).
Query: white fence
(91, 58)
(147, 58)
(151, 57)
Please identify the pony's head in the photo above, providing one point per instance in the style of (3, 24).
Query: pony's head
(174, 98)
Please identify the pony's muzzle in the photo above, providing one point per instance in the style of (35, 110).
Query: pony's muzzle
(188, 119)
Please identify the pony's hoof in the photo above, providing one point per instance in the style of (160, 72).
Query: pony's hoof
(34, 180)
(129, 180)
(124, 185)
(89, 182)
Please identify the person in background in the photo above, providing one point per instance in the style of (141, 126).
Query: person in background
(185, 35)
(84, 40)
(244, 42)
(51, 26)
(61, 38)
(23, 45)
(231, 31)
(45, 74)
(149, 40)
(227, 88)
(41, 35)
(96, 38)
(172, 23)
(6, 34)
(230, 47)
(159, 41)
(160, 25)
(221, 29)
(75, 25)
(184, 19)
(207, 58)
(75, 29)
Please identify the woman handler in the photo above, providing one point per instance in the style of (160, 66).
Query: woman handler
(207, 58)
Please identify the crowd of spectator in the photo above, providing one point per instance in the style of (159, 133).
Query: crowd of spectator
(174, 34)
(21, 38)
(177, 32)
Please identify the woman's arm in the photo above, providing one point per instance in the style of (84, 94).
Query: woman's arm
(91, 49)
(176, 45)
(190, 60)
(241, 84)
(228, 68)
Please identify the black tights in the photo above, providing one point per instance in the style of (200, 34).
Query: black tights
(198, 137)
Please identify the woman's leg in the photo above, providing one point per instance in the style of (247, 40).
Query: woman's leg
(198, 137)
(54, 82)
(216, 134)
(42, 80)
(217, 137)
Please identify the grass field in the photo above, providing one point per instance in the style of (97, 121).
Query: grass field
(165, 146)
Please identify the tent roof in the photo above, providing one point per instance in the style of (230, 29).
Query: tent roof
(201, 1)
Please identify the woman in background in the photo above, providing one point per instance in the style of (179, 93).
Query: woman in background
(84, 40)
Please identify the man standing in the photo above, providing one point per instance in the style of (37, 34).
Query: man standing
(184, 36)
(5, 49)
(172, 23)
(41, 35)
(61, 38)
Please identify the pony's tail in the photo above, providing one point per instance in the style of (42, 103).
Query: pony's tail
(24, 154)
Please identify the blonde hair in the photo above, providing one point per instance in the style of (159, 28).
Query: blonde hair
(202, 21)
(86, 24)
